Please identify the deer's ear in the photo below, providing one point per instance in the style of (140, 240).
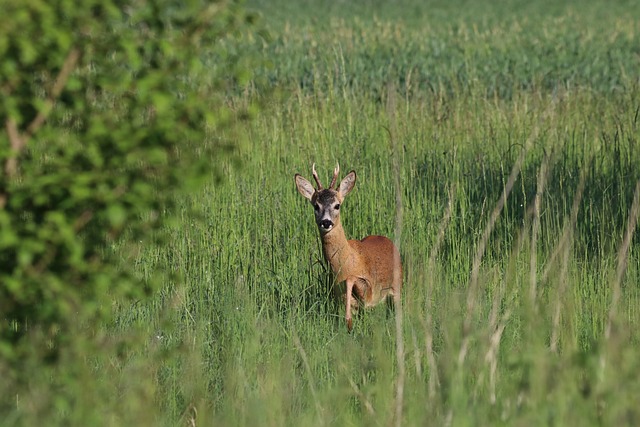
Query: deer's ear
(304, 187)
(347, 184)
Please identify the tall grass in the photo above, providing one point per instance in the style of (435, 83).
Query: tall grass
(517, 156)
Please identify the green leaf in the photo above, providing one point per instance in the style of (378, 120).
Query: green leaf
(116, 214)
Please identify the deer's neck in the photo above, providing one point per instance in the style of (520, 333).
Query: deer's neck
(337, 251)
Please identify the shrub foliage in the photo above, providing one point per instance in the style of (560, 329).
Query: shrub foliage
(108, 111)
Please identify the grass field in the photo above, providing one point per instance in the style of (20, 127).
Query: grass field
(513, 130)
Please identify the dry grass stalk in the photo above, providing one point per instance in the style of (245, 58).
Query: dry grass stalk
(307, 367)
(472, 293)
(623, 259)
(564, 247)
(535, 230)
(367, 404)
(400, 352)
(434, 378)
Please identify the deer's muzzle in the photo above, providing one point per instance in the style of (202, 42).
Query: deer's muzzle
(326, 224)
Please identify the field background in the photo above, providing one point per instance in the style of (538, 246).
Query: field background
(497, 142)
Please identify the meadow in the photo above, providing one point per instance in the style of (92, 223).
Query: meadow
(498, 144)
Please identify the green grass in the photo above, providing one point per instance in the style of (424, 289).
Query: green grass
(247, 333)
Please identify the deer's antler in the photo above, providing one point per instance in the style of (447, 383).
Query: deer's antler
(336, 171)
(315, 176)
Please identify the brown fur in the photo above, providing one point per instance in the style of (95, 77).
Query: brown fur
(370, 267)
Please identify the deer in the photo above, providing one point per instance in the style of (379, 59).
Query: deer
(371, 267)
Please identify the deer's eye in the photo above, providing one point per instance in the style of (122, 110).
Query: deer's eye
(337, 207)
(316, 207)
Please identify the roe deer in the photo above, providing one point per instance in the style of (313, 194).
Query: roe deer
(370, 266)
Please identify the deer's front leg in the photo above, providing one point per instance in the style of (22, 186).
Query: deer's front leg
(349, 299)
(363, 295)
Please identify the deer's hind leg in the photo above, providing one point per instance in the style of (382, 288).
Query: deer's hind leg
(363, 292)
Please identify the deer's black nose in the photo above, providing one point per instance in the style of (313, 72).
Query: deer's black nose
(326, 224)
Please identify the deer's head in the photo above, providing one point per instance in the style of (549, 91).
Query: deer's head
(326, 202)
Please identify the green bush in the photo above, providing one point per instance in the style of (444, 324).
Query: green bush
(108, 112)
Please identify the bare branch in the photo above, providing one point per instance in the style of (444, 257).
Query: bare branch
(19, 142)
(17, 145)
(56, 90)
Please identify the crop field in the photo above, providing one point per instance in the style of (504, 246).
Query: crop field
(497, 143)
